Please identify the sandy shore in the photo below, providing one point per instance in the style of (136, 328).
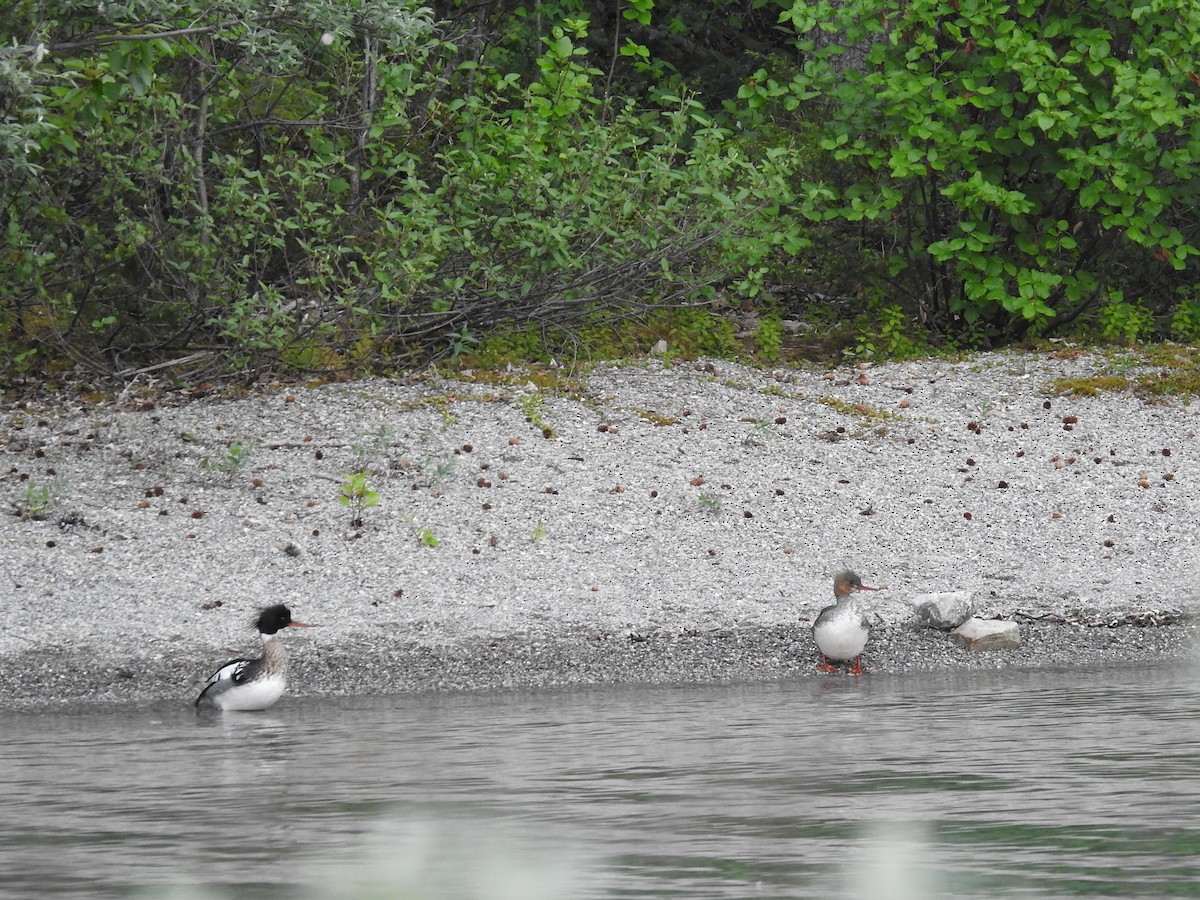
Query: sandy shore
(634, 523)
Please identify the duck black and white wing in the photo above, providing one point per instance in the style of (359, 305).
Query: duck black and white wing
(229, 676)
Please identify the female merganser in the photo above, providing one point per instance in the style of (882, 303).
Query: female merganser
(247, 684)
(841, 630)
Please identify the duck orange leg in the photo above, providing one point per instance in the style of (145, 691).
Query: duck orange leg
(826, 665)
(857, 668)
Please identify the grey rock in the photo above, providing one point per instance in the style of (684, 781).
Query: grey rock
(945, 610)
(987, 634)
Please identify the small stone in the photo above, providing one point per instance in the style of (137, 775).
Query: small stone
(987, 634)
(945, 610)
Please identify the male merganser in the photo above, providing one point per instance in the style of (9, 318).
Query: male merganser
(246, 684)
(841, 630)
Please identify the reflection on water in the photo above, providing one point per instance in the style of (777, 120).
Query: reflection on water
(1001, 784)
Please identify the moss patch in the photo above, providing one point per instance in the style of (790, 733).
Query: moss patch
(1089, 386)
(657, 418)
(1181, 383)
(859, 410)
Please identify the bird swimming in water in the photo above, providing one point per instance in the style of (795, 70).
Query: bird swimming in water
(841, 630)
(252, 684)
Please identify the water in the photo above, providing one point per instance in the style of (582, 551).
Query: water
(1012, 784)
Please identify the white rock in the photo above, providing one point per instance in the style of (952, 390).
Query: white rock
(944, 610)
(987, 634)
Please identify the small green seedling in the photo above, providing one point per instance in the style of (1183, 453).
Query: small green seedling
(372, 442)
(460, 342)
(234, 459)
(356, 494)
(444, 469)
(538, 532)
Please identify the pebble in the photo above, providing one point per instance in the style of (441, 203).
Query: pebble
(945, 610)
(987, 634)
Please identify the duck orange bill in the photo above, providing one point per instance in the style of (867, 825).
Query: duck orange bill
(863, 587)
(306, 625)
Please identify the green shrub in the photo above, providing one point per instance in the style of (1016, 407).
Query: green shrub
(215, 178)
(768, 337)
(1018, 160)
(183, 191)
(551, 206)
(1124, 322)
(1185, 323)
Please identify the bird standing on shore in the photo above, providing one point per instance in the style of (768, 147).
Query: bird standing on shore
(841, 630)
(252, 684)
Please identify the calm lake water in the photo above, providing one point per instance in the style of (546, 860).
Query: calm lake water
(1021, 784)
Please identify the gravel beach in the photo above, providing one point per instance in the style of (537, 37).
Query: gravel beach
(635, 523)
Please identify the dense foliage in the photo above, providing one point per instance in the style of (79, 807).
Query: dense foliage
(372, 184)
(333, 184)
(1017, 164)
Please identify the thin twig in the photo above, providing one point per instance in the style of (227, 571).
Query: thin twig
(141, 36)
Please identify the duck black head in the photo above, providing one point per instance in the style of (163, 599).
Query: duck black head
(272, 619)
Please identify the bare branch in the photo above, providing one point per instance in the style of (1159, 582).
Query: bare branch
(104, 39)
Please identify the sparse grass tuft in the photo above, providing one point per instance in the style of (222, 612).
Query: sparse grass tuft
(37, 498)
